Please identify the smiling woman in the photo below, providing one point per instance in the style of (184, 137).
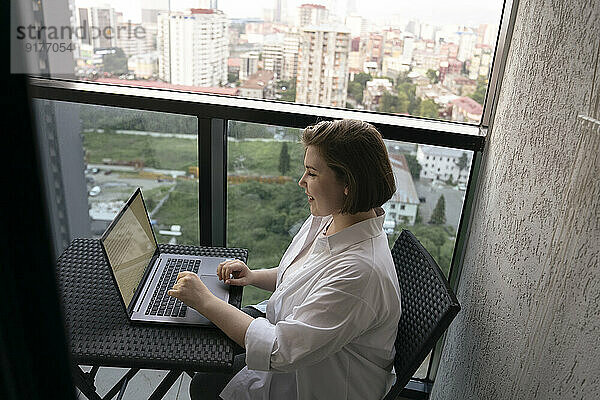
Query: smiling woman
(335, 291)
(351, 154)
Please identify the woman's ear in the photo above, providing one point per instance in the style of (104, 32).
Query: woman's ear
(346, 190)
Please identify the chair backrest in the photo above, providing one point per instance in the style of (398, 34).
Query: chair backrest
(428, 307)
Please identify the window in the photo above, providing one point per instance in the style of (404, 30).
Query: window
(160, 149)
(441, 64)
(247, 181)
(95, 157)
(265, 205)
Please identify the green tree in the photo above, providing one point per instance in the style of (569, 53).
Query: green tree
(288, 90)
(388, 103)
(355, 90)
(407, 90)
(413, 166)
(462, 163)
(232, 77)
(284, 159)
(418, 217)
(445, 260)
(116, 62)
(438, 216)
(429, 109)
(393, 104)
(362, 78)
(479, 94)
(432, 75)
(149, 154)
(403, 78)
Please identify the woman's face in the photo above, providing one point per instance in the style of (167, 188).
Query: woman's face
(326, 194)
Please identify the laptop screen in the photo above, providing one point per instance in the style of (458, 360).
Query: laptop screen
(129, 244)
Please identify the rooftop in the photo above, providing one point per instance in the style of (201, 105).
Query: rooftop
(441, 151)
(202, 11)
(309, 5)
(469, 105)
(258, 80)
(405, 187)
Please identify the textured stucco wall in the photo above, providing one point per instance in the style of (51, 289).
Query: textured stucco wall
(530, 286)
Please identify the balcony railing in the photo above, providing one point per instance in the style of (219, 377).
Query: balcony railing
(216, 116)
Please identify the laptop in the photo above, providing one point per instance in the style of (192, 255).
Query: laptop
(143, 274)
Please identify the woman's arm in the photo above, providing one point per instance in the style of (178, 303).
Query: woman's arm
(190, 289)
(232, 321)
(237, 273)
(265, 278)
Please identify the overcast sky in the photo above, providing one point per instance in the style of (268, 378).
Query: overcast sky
(462, 12)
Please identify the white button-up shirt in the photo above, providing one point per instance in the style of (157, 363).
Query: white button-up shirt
(329, 332)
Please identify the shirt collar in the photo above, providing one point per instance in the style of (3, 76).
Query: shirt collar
(353, 234)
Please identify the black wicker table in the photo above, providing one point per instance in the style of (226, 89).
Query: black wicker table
(100, 333)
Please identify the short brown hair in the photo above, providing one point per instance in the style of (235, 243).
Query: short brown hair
(356, 152)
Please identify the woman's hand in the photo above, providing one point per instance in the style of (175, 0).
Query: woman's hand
(190, 289)
(242, 275)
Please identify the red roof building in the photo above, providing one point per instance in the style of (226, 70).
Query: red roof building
(465, 109)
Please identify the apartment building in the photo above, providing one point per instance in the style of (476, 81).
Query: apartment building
(323, 66)
(312, 14)
(291, 44)
(248, 64)
(442, 163)
(402, 207)
(272, 55)
(192, 47)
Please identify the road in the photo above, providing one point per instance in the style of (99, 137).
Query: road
(432, 192)
(105, 167)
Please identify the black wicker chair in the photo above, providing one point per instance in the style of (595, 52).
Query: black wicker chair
(428, 307)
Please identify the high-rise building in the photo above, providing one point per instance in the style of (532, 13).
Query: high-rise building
(323, 66)
(98, 27)
(291, 44)
(466, 45)
(408, 49)
(272, 55)
(375, 48)
(277, 17)
(413, 26)
(192, 47)
(312, 14)
(357, 25)
(135, 39)
(248, 64)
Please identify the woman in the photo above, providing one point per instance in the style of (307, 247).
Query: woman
(332, 319)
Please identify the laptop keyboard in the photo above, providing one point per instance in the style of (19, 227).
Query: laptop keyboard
(161, 303)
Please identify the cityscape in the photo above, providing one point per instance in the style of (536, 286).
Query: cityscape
(316, 53)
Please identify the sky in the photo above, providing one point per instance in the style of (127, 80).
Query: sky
(461, 12)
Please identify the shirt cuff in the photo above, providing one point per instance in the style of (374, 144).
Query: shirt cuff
(259, 340)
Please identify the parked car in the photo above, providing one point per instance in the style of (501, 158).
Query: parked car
(95, 191)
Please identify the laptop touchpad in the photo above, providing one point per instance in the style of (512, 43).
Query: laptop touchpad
(218, 288)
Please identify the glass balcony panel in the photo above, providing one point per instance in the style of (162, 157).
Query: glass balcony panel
(102, 154)
(431, 183)
(265, 205)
